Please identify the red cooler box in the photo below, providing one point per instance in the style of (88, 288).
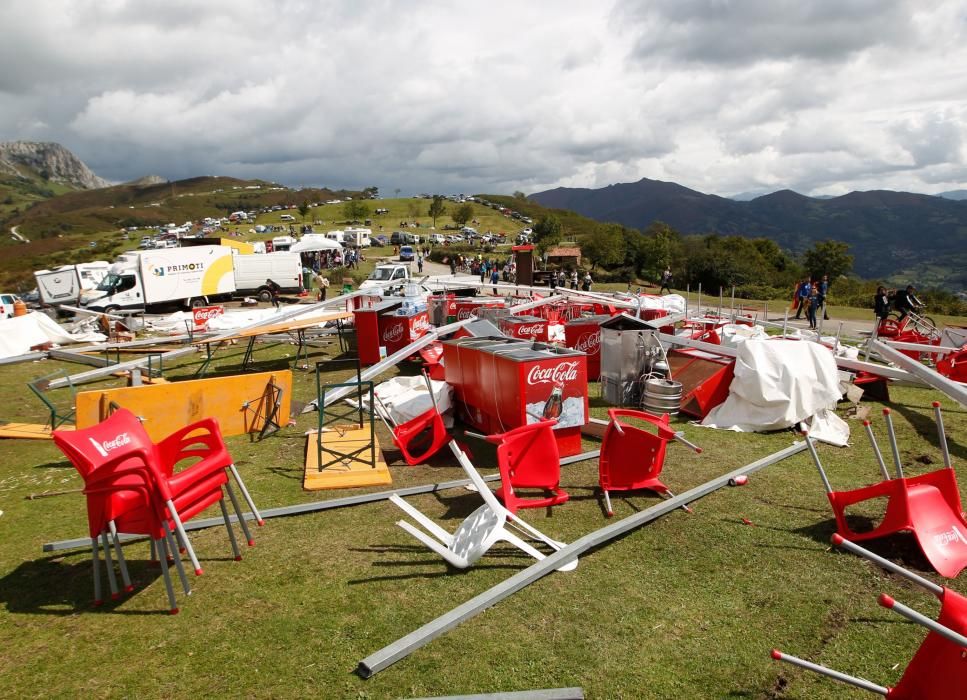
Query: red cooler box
(369, 328)
(529, 327)
(503, 385)
(465, 307)
(398, 331)
(584, 334)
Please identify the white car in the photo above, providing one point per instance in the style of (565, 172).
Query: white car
(6, 305)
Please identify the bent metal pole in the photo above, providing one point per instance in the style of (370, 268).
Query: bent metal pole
(400, 649)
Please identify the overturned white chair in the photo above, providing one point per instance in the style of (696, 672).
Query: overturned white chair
(480, 531)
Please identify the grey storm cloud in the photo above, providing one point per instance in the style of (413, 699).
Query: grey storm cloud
(724, 96)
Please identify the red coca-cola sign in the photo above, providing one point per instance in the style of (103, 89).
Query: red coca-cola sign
(203, 314)
(421, 326)
(530, 329)
(393, 334)
(563, 372)
(464, 313)
(589, 343)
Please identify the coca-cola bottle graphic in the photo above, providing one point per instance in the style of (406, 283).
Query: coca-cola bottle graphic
(555, 403)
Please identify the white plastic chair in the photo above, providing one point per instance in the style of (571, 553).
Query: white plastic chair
(479, 531)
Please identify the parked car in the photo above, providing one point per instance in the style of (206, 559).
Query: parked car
(407, 254)
(397, 238)
(380, 240)
(437, 238)
(6, 305)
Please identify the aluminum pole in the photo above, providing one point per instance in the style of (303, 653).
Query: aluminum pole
(826, 671)
(400, 649)
(932, 625)
(941, 434)
(954, 390)
(840, 541)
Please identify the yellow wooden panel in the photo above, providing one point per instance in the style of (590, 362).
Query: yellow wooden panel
(350, 473)
(30, 431)
(239, 402)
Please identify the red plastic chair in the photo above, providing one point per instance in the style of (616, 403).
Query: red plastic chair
(528, 458)
(132, 486)
(927, 505)
(954, 365)
(632, 457)
(422, 437)
(937, 670)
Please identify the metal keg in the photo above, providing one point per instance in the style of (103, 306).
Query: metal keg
(662, 396)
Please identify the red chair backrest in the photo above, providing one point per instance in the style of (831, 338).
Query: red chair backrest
(529, 455)
(633, 456)
(938, 668)
(425, 433)
(89, 448)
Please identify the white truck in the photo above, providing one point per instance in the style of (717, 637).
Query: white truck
(152, 279)
(63, 285)
(192, 276)
(387, 272)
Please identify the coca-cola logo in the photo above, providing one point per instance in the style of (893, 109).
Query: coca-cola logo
(563, 372)
(464, 313)
(204, 314)
(532, 329)
(421, 325)
(589, 343)
(103, 448)
(393, 334)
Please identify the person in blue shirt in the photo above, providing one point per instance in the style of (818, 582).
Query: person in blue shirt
(802, 295)
(821, 295)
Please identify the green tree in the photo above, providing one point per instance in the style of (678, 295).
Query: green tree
(462, 214)
(828, 258)
(355, 211)
(371, 193)
(414, 210)
(520, 195)
(437, 208)
(304, 209)
(604, 246)
(547, 232)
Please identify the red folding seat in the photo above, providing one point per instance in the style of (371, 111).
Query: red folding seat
(422, 437)
(132, 485)
(528, 458)
(631, 456)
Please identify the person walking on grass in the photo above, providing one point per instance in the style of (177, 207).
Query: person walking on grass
(587, 282)
(666, 280)
(811, 302)
(821, 295)
(802, 295)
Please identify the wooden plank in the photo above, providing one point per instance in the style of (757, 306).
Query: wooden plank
(350, 473)
(240, 403)
(28, 431)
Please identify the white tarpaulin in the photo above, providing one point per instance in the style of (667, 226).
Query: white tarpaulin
(20, 333)
(733, 334)
(779, 384)
(405, 398)
(673, 303)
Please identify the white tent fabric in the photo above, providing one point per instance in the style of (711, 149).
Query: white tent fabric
(19, 334)
(315, 242)
(673, 303)
(779, 384)
(405, 398)
(733, 334)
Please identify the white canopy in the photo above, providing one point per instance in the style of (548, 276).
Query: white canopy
(312, 242)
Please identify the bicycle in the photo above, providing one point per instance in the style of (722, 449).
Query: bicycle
(918, 321)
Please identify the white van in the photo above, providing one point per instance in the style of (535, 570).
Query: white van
(358, 237)
(251, 271)
(287, 217)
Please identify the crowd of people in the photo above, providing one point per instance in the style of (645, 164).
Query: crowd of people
(810, 297)
(903, 301)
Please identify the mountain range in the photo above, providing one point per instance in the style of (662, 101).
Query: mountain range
(53, 162)
(894, 236)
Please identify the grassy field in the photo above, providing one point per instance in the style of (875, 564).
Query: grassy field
(688, 606)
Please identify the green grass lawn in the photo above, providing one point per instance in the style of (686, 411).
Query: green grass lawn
(688, 606)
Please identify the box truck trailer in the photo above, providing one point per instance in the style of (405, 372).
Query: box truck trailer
(63, 285)
(153, 279)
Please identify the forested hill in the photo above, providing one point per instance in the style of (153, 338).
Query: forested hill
(893, 235)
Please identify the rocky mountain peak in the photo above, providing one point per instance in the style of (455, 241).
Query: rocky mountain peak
(48, 160)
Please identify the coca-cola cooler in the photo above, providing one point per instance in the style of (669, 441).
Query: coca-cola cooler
(584, 334)
(503, 383)
(465, 308)
(399, 330)
(369, 334)
(529, 327)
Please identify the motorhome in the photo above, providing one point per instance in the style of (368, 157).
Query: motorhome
(63, 285)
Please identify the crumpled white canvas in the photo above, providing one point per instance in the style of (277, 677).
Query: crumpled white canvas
(779, 384)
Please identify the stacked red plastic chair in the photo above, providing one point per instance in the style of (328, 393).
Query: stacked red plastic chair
(631, 456)
(927, 505)
(132, 488)
(938, 670)
(528, 458)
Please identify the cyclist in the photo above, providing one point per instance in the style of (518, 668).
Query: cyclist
(905, 301)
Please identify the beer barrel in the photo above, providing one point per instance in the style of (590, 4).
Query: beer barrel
(662, 396)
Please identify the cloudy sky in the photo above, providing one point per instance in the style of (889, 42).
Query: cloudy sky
(724, 96)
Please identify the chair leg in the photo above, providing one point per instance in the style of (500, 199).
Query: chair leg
(238, 512)
(246, 496)
(163, 555)
(96, 565)
(183, 536)
(228, 526)
(178, 565)
(154, 553)
(430, 526)
(109, 565)
(125, 576)
(607, 503)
